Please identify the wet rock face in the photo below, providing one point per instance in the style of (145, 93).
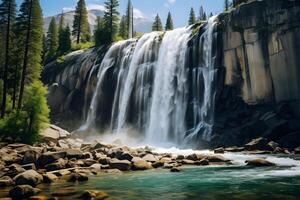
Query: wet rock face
(260, 41)
(257, 43)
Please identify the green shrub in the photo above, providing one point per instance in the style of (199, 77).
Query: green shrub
(82, 46)
(26, 124)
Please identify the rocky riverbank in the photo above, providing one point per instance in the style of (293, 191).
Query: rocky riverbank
(25, 169)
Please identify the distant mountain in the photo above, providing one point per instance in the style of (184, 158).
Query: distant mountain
(142, 24)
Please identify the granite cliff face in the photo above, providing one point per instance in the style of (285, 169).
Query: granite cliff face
(255, 54)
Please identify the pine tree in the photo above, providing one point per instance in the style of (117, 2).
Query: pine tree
(202, 14)
(52, 39)
(129, 20)
(226, 4)
(65, 43)
(64, 38)
(81, 27)
(30, 25)
(99, 34)
(169, 23)
(211, 15)
(8, 14)
(157, 25)
(123, 27)
(111, 18)
(192, 19)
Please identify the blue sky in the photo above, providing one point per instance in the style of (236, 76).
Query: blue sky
(146, 8)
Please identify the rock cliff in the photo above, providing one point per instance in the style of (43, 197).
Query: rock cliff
(258, 85)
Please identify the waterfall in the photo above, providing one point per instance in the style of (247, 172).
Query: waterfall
(169, 100)
(203, 79)
(141, 59)
(118, 53)
(154, 89)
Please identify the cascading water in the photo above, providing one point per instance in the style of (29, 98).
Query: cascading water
(169, 99)
(118, 53)
(203, 78)
(141, 64)
(151, 86)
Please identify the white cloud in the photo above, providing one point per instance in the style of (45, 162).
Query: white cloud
(168, 3)
(68, 9)
(138, 14)
(95, 7)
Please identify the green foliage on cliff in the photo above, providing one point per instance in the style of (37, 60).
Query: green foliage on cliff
(26, 124)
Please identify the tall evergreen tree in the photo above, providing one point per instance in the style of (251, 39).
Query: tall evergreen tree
(111, 18)
(192, 19)
(61, 22)
(169, 23)
(226, 4)
(64, 38)
(123, 27)
(65, 41)
(30, 28)
(202, 14)
(210, 15)
(157, 25)
(99, 34)
(7, 19)
(52, 39)
(81, 27)
(129, 20)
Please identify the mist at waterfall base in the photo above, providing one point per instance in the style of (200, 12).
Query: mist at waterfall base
(159, 98)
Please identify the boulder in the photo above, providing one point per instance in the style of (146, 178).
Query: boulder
(194, 157)
(23, 192)
(63, 144)
(150, 158)
(29, 177)
(12, 158)
(260, 162)
(30, 156)
(180, 157)
(202, 162)
(94, 195)
(297, 150)
(141, 165)
(74, 177)
(272, 145)
(157, 164)
(168, 166)
(125, 156)
(235, 149)
(59, 164)
(49, 178)
(166, 160)
(14, 170)
(29, 166)
(53, 133)
(96, 166)
(175, 169)
(89, 162)
(123, 165)
(219, 150)
(216, 158)
(258, 144)
(187, 162)
(50, 157)
(6, 181)
(73, 153)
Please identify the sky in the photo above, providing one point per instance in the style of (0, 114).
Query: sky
(145, 8)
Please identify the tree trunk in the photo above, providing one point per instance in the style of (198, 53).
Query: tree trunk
(25, 61)
(5, 85)
(79, 25)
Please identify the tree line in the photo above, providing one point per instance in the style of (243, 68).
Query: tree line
(24, 110)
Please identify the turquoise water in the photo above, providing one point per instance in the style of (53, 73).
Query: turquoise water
(236, 182)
